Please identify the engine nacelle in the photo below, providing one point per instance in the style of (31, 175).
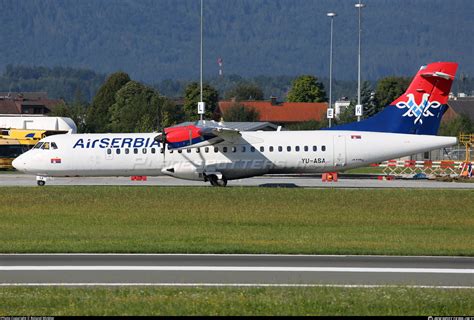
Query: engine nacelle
(184, 172)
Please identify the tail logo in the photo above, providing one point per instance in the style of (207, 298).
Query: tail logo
(418, 111)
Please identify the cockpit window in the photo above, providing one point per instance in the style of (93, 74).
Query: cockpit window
(53, 145)
(38, 145)
(45, 146)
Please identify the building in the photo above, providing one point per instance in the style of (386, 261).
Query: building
(280, 112)
(460, 106)
(38, 122)
(36, 103)
(340, 106)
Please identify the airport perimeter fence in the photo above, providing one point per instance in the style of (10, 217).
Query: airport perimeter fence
(427, 168)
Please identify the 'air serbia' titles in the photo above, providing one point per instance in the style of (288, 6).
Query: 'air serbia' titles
(116, 143)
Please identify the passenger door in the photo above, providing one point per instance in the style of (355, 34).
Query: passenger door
(339, 150)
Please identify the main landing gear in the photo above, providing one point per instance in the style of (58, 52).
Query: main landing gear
(215, 182)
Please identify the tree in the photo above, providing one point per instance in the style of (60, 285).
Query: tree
(388, 89)
(366, 99)
(98, 115)
(76, 111)
(457, 125)
(307, 88)
(192, 97)
(245, 92)
(307, 125)
(240, 112)
(138, 108)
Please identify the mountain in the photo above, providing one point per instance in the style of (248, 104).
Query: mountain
(154, 40)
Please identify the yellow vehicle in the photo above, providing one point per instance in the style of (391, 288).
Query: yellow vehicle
(14, 142)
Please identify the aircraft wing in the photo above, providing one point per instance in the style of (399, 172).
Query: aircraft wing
(225, 134)
(195, 136)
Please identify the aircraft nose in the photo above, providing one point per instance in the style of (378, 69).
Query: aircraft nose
(19, 163)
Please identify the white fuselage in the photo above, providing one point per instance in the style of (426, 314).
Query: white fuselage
(254, 153)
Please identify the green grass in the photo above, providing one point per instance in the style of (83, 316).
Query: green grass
(55, 301)
(236, 220)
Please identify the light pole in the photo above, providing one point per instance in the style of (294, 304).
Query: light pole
(201, 104)
(359, 107)
(330, 112)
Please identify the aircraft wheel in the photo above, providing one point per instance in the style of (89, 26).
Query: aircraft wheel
(213, 180)
(41, 183)
(222, 182)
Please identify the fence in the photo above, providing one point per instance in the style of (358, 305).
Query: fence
(410, 168)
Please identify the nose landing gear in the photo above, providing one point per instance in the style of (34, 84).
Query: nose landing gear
(40, 180)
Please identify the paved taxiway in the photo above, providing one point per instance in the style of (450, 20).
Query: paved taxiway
(265, 181)
(235, 270)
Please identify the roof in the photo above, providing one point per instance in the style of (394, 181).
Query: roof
(24, 95)
(463, 106)
(9, 107)
(282, 112)
(242, 126)
(12, 102)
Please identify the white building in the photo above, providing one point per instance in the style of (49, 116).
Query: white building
(37, 123)
(340, 106)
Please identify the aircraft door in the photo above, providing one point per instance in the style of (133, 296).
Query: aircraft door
(339, 155)
(109, 154)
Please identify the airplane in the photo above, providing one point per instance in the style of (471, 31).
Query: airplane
(210, 152)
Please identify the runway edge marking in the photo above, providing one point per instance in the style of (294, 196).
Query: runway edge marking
(127, 284)
(235, 269)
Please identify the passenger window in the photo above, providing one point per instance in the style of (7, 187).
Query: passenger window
(53, 145)
(271, 148)
(224, 149)
(127, 151)
(243, 149)
(206, 149)
(162, 150)
(117, 151)
(280, 148)
(216, 149)
(252, 149)
(288, 148)
(45, 146)
(188, 150)
(297, 148)
(180, 151)
(109, 151)
(153, 150)
(38, 145)
(323, 148)
(198, 150)
(135, 151)
(315, 148)
(306, 148)
(262, 149)
(144, 150)
(171, 151)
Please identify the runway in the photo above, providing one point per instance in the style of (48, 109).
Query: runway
(353, 181)
(235, 270)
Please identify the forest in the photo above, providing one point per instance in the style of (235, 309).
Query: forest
(154, 40)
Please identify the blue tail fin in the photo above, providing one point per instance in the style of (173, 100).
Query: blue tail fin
(419, 110)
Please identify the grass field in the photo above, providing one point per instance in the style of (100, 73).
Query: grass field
(235, 301)
(236, 220)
